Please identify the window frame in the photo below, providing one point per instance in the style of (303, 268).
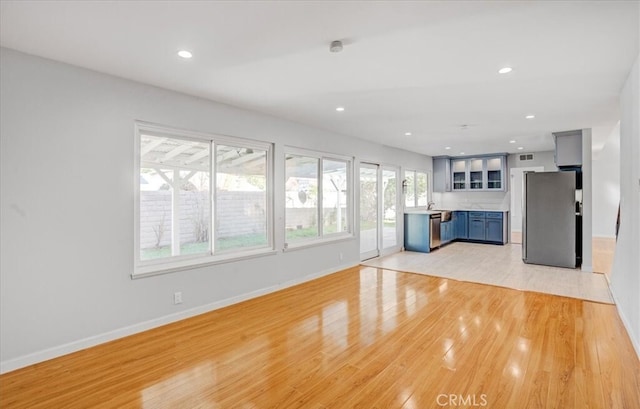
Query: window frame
(416, 198)
(143, 268)
(350, 211)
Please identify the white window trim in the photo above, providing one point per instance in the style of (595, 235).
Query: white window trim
(331, 237)
(179, 263)
(415, 199)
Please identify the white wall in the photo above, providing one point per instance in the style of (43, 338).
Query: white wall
(587, 202)
(625, 275)
(606, 186)
(544, 159)
(67, 134)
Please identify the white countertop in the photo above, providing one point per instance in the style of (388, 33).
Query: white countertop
(423, 211)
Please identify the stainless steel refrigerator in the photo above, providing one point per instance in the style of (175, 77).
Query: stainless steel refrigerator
(550, 226)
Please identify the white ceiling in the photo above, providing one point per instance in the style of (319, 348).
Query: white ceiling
(420, 67)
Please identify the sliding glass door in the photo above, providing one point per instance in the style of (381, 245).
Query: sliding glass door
(369, 211)
(378, 210)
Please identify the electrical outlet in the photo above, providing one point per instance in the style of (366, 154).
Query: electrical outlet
(341, 256)
(177, 297)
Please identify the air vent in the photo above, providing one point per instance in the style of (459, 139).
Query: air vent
(527, 156)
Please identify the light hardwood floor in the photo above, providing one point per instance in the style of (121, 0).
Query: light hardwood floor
(363, 337)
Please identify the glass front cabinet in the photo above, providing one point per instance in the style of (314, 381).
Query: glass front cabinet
(459, 174)
(476, 174)
(479, 174)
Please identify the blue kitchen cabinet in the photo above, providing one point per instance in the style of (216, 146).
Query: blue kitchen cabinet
(460, 225)
(494, 227)
(416, 232)
(446, 232)
(477, 226)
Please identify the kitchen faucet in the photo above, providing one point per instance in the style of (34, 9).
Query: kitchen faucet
(430, 205)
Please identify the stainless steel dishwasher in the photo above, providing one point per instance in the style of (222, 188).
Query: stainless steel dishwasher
(434, 230)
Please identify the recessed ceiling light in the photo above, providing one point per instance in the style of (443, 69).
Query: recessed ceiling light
(512, 141)
(520, 148)
(448, 147)
(505, 70)
(340, 109)
(407, 134)
(185, 54)
(461, 153)
(530, 116)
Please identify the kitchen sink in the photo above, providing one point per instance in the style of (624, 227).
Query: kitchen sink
(446, 215)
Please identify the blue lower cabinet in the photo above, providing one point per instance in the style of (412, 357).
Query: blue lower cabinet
(460, 225)
(487, 227)
(476, 229)
(416, 232)
(494, 227)
(446, 232)
(494, 230)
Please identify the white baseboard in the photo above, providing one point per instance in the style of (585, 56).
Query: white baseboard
(627, 324)
(50, 353)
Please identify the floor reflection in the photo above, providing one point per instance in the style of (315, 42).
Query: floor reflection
(363, 337)
(177, 390)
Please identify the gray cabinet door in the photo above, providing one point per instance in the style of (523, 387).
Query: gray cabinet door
(494, 230)
(476, 228)
(568, 148)
(446, 231)
(441, 175)
(460, 225)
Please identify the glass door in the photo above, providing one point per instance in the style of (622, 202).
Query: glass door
(390, 208)
(475, 174)
(379, 208)
(494, 173)
(459, 170)
(369, 211)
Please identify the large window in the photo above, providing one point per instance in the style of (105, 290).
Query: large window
(179, 221)
(416, 188)
(318, 196)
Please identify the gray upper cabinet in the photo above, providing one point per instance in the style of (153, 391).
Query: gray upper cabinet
(442, 174)
(496, 169)
(459, 174)
(568, 148)
(484, 173)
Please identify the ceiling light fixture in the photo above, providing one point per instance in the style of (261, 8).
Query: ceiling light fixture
(520, 148)
(340, 109)
(447, 147)
(512, 141)
(505, 70)
(407, 134)
(461, 153)
(185, 54)
(335, 46)
(530, 116)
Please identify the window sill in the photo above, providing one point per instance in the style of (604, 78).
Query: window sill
(316, 242)
(191, 263)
